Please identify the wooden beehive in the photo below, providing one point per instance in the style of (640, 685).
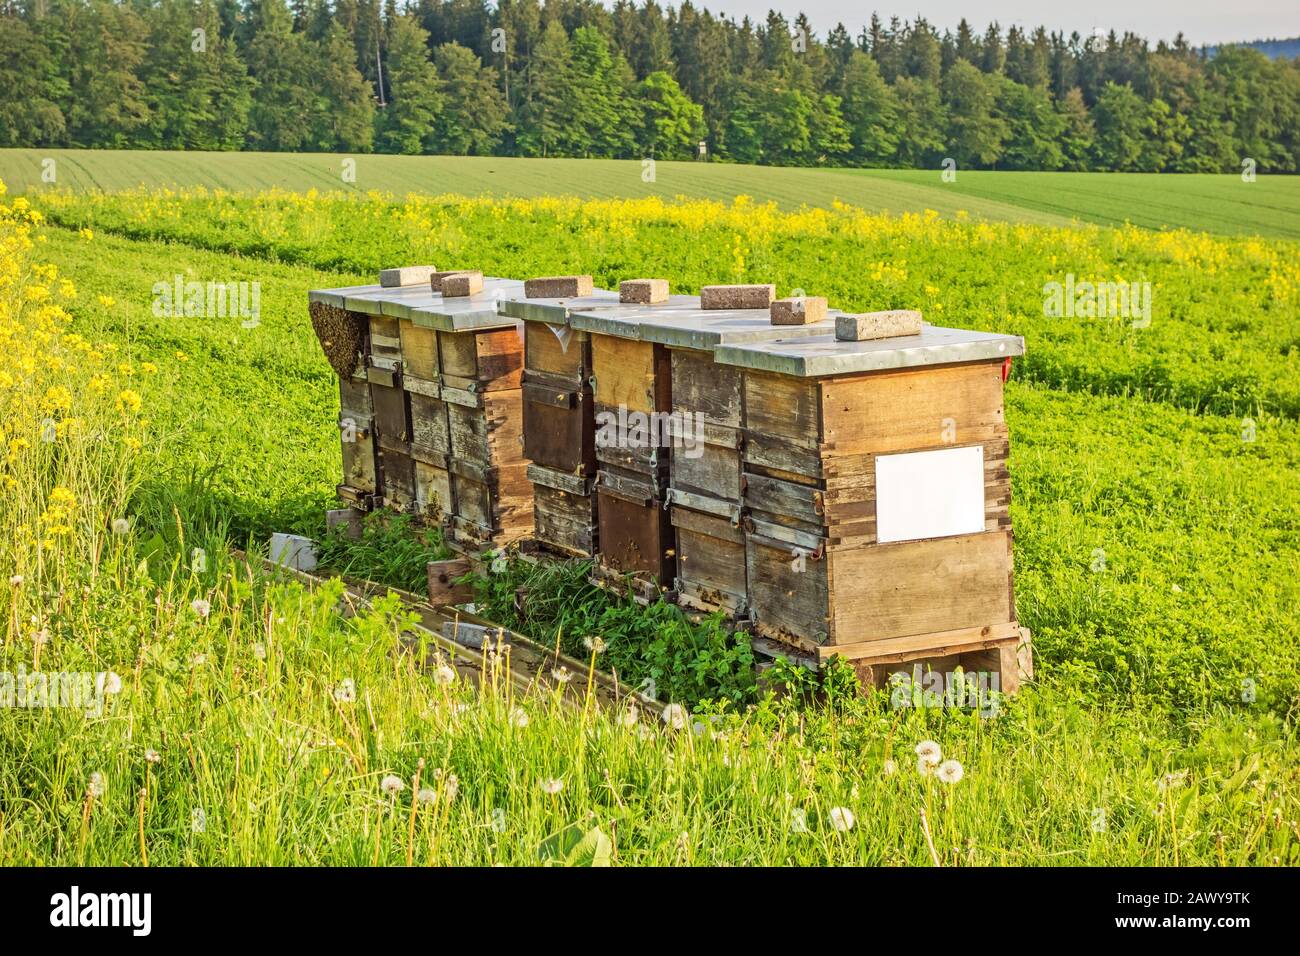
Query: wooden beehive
(659, 358)
(445, 396)
(559, 437)
(631, 402)
(876, 493)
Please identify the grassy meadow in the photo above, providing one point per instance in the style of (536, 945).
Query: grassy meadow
(1155, 473)
(1269, 206)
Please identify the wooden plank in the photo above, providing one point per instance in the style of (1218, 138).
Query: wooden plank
(429, 425)
(782, 409)
(630, 374)
(493, 357)
(497, 500)
(785, 502)
(937, 643)
(788, 593)
(710, 562)
(443, 588)
(563, 355)
(398, 479)
(910, 409)
(433, 500)
(489, 435)
(360, 461)
(700, 385)
(419, 352)
(561, 438)
(392, 412)
(565, 522)
(560, 480)
(635, 538)
(919, 587)
(354, 399)
(707, 469)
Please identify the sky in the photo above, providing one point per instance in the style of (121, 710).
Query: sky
(1201, 21)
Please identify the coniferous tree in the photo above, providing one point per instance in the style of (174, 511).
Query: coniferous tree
(405, 125)
(344, 117)
(473, 115)
(281, 64)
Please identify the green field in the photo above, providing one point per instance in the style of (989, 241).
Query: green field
(1270, 206)
(1155, 558)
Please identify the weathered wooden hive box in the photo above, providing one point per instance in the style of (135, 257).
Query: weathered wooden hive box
(632, 406)
(559, 437)
(443, 375)
(704, 437)
(877, 495)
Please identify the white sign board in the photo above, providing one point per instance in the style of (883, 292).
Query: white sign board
(930, 494)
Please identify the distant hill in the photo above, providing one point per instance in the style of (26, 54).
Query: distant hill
(1273, 49)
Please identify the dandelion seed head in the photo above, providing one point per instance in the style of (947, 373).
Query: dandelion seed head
(201, 607)
(889, 768)
(152, 756)
(95, 785)
(392, 785)
(561, 674)
(675, 716)
(949, 772)
(121, 526)
(594, 644)
(518, 718)
(427, 795)
(444, 675)
(929, 751)
(112, 683)
(842, 819)
(552, 786)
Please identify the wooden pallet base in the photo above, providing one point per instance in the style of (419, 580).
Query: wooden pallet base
(624, 585)
(1005, 650)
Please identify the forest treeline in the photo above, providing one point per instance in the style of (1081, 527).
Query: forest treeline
(576, 78)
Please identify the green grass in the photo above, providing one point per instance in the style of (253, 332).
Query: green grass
(229, 745)
(1175, 499)
(1155, 564)
(1214, 203)
(1222, 335)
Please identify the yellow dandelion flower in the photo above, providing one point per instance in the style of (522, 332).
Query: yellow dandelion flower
(182, 357)
(87, 234)
(107, 301)
(148, 368)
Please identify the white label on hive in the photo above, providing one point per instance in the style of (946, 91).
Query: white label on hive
(930, 494)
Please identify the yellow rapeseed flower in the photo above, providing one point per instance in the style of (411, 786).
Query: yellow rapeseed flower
(129, 400)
